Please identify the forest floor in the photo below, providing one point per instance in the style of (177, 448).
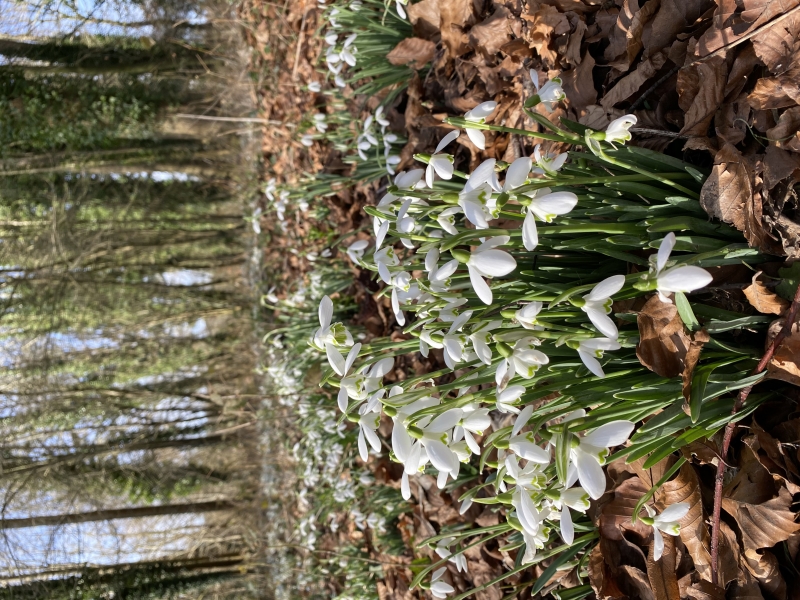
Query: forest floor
(713, 87)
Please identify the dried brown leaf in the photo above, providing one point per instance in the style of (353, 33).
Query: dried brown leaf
(424, 17)
(728, 25)
(601, 579)
(728, 195)
(777, 92)
(673, 17)
(763, 525)
(698, 340)
(763, 299)
(780, 165)
(455, 15)
(544, 25)
(662, 341)
(785, 364)
(705, 590)
(764, 567)
(630, 84)
(636, 583)
(786, 133)
(777, 44)
(711, 75)
(626, 39)
(414, 52)
(661, 573)
(490, 35)
(572, 54)
(746, 60)
(579, 85)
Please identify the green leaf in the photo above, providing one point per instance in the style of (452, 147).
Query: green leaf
(686, 312)
(670, 472)
(544, 578)
(791, 278)
(699, 381)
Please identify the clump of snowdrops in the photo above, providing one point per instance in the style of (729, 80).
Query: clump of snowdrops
(513, 273)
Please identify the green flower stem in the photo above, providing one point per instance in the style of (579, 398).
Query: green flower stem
(460, 122)
(656, 176)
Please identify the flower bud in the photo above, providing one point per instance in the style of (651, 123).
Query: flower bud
(504, 349)
(461, 256)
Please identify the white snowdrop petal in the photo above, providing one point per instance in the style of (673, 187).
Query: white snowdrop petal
(607, 288)
(351, 357)
(664, 250)
(445, 271)
(401, 442)
(477, 137)
(658, 544)
(443, 167)
(591, 363)
(603, 322)
(325, 312)
(522, 420)
(683, 279)
(493, 263)
(611, 434)
(446, 140)
(674, 512)
(335, 359)
(590, 474)
(441, 456)
(480, 286)
(567, 528)
(382, 367)
(446, 421)
(517, 173)
(363, 452)
(481, 174)
(483, 110)
(372, 438)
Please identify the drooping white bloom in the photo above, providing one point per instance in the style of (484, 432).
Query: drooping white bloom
(478, 115)
(349, 51)
(618, 129)
(320, 122)
(550, 93)
(307, 140)
(597, 305)
(341, 365)
(474, 421)
(443, 550)
(548, 163)
(367, 381)
(385, 258)
(447, 219)
(668, 522)
(315, 87)
(439, 588)
(682, 278)
(545, 206)
(517, 173)
(591, 452)
(487, 261)
(577, 499)
(335, 334)
(526, 316)
(368, 422)
(355, 251)
(441, 164)
(505, 397)
(592, 349)
(399, 7)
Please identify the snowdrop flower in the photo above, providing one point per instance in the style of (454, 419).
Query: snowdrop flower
(475, 421)
(597, 304)
(367, 381)
(257, 220)
(619, 129)
(385, 258)
(315, 87)
(548, 163)
(270, 189)
(335, 334)
(668, 522)
(549, 94)
(522, 359)
(447, 219)
(439, 588)
(454, 342)
(339, 81)
(591, 451)
(443, 550)
(349, 51)
(331, 39)
(480, 338)
(577, 499)
(517, 173)
(435, 438)
(478, 115)
(380, 119)
(526, 316)
(319, 122)
(545, 206)
(355, 251)
(356, 5)
(307, 140)
(683, 278)
(529, 516)
(368, 422)
(441, 164)
(592, 349)
(341, 365)
(486, 261)
(505, 397)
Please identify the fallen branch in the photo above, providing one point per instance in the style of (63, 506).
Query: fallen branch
(730, 428)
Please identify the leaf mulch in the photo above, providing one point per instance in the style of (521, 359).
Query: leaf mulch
(714, 83)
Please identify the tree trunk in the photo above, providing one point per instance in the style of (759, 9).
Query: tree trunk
(116, 513)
